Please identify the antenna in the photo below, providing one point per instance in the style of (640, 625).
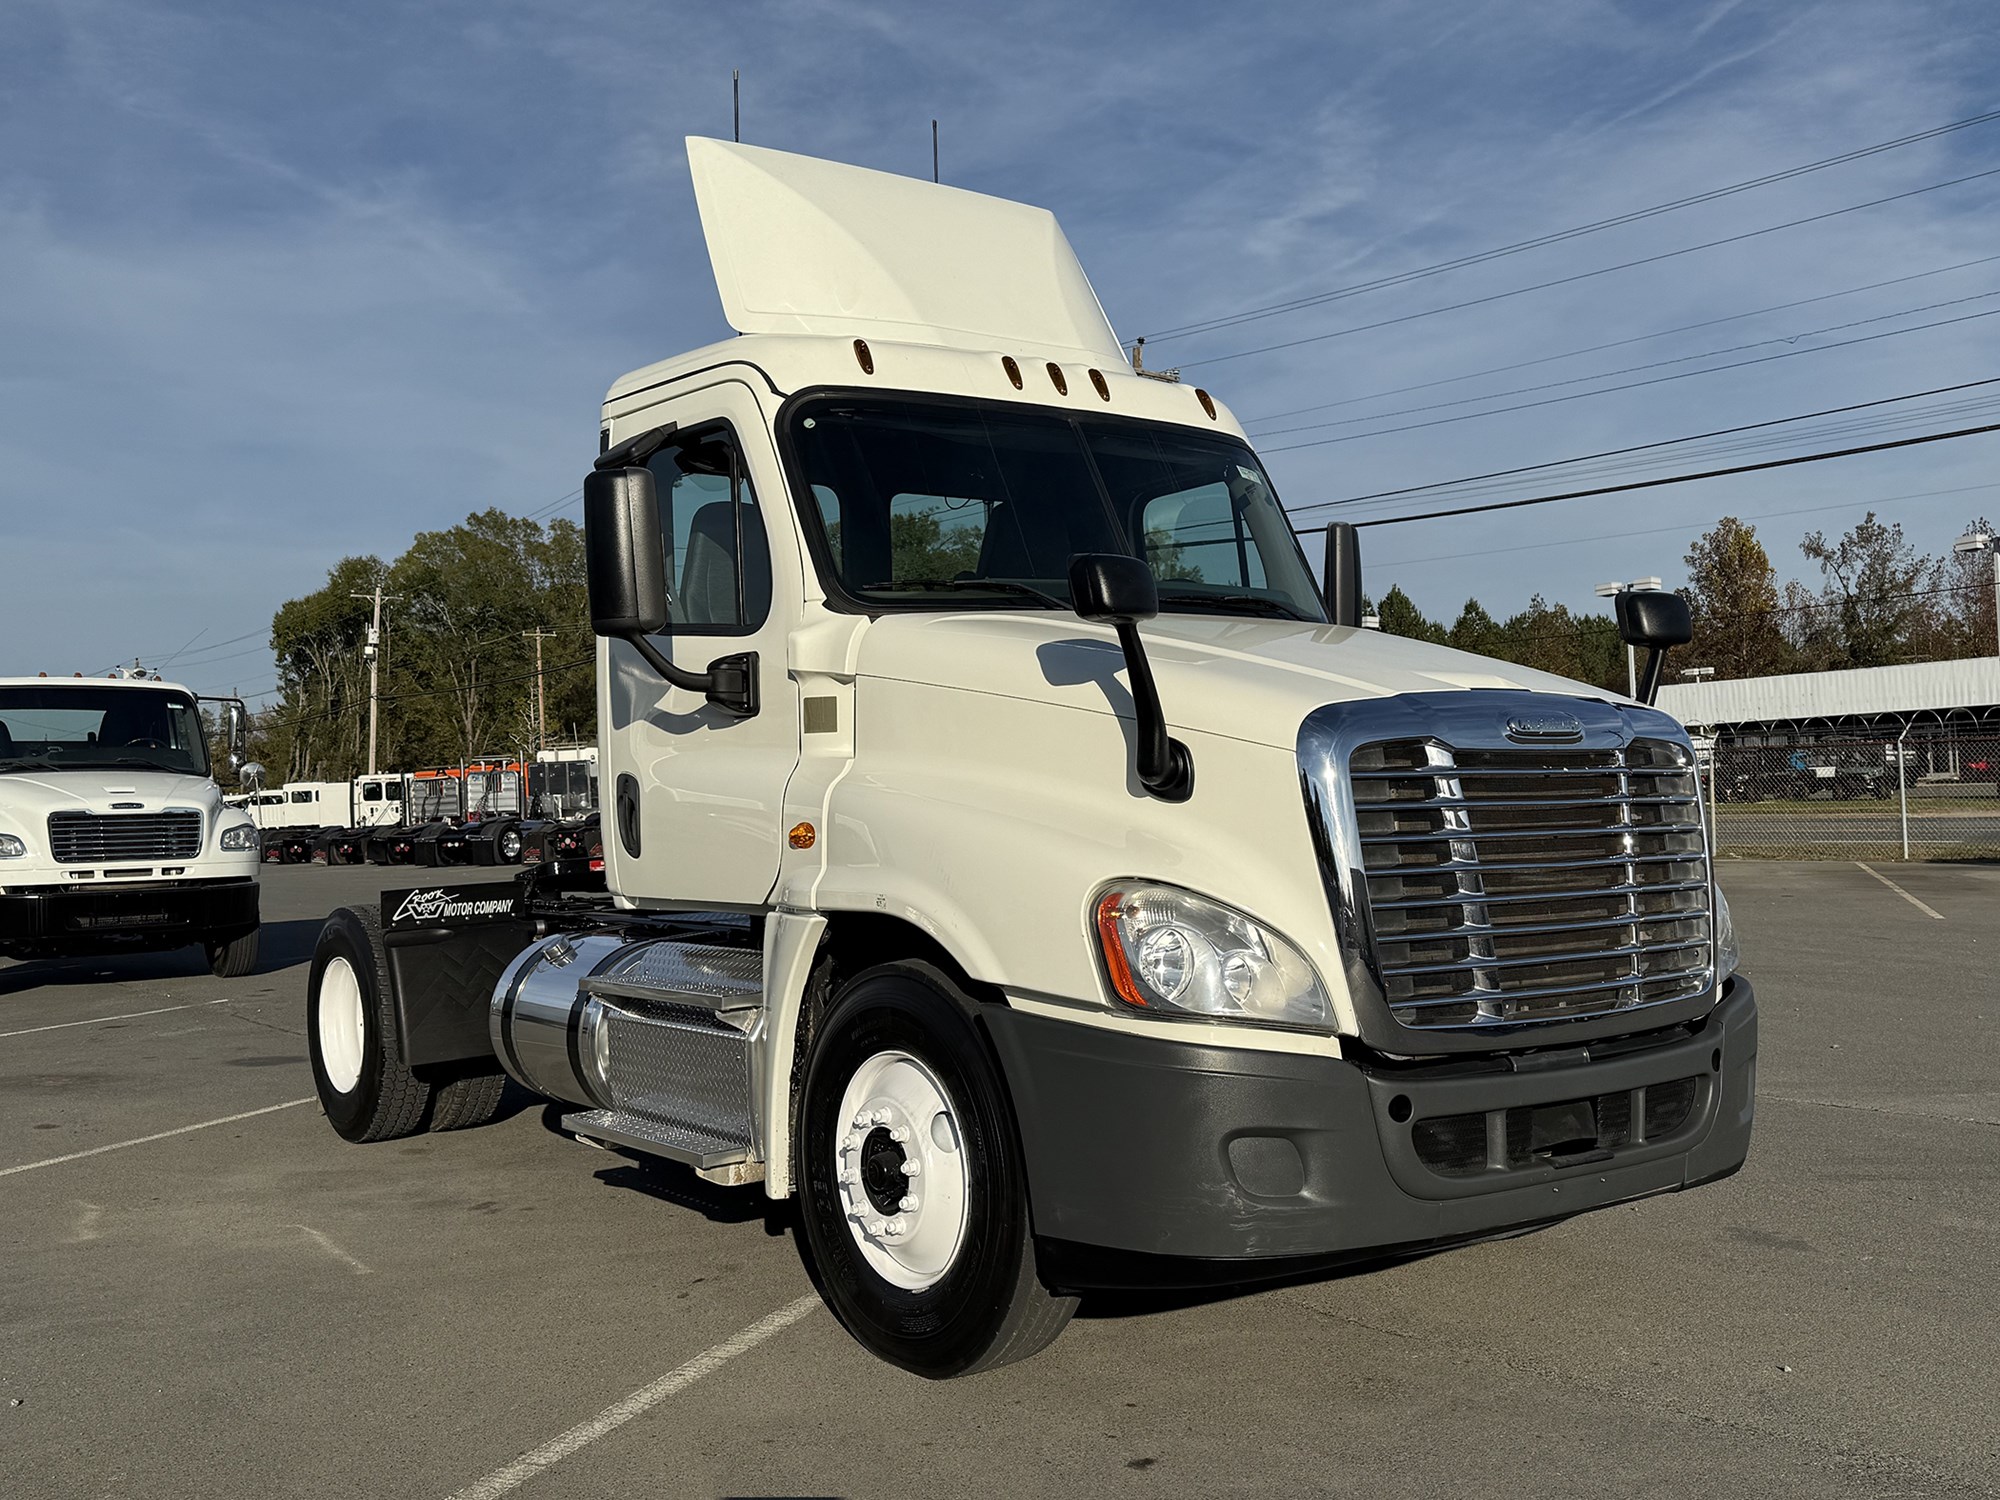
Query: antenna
(736, 105)
(934, 156)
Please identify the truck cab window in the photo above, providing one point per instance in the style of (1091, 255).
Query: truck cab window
(718, 558)
(961, 505)
(371, 791)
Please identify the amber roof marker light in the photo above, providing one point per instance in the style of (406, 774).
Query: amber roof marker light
(1103, 387)
(1057, 379)
(1207, 402)
(864, 357)
(1013, 370)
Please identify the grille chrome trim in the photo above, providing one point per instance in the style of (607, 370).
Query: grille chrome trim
(87, 838)
(1469, 900)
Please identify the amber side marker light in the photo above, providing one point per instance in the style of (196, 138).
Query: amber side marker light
(802, 836)
(1109, 906)
(864, 357)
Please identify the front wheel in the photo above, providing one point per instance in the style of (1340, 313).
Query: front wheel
(232, 958)
(915, 1197)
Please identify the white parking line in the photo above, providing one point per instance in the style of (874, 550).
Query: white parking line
(1927, 911)
(641, 1401)
(130, 1015)
(248, 1114)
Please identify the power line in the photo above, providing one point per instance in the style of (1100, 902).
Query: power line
(1647, 484)
(1627, 265)
(1556, 463)
(1274, 309)
(1639, 338)
(1619, 536)
(1634, 369)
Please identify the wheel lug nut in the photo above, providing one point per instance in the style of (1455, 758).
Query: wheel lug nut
(874, 1227)
(912, 1169)
(909, 1203)
(852, 1142)
(863, 1120)
(899, 1135)
(896, 1225)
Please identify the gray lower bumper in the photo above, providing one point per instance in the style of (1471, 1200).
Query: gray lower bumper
(1161, 1148)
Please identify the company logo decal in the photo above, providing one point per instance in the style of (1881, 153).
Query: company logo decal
(1544, 727)
(440, 904)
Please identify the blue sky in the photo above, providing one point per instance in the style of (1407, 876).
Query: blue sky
(282, 283)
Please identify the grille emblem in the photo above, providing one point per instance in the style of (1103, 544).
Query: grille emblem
(1544, 728)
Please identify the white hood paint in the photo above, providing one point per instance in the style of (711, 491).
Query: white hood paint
(1250, 680)
(31, 796)
(806, 246)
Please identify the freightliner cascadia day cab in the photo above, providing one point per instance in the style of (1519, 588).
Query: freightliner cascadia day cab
(113, 835)
(1013, 856)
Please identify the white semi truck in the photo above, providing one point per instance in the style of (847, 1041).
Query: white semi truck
(113, 834)
(1015, 858)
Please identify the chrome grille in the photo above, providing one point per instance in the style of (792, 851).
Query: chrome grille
(1515, 885)
(81, 838)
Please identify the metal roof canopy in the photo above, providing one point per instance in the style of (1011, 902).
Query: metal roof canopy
(1935, 687)
(801, 245)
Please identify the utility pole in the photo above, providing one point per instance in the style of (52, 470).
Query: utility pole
(538, 635)
(373, 651)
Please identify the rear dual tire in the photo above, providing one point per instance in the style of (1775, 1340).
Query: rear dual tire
(366, 1090)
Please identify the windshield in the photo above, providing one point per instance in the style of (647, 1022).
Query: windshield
(59, 727)
(943, 505)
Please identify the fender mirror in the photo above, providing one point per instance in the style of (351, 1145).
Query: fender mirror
(1656, 621)
(625, 562)
(1110, 589)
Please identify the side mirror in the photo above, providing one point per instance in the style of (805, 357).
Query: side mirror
(251, 774)
(1341, 587)
(1108, 588)
(625, 562)
(1656, 621)
(623, 554)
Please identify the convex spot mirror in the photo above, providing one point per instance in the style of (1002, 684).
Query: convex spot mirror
(623, 555)
(1108, 589)
(1654, 620)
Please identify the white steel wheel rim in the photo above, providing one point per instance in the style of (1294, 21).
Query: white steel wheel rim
(340, 1025)
(914, 1241)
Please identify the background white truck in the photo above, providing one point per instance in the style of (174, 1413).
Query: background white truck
(1016, 858)
(113, 834)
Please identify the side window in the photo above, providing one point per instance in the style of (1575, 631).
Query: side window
(718, 556)
(371, 791)
(1198, 535)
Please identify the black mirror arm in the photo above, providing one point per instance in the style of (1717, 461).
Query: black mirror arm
(1165, 767)
(1649, 675)
(730, 682)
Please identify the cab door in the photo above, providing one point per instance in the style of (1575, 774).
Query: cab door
(693, 793)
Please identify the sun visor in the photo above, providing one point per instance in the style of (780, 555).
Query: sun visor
(801, 245)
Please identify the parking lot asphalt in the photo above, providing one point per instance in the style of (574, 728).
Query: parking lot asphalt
(255, 1307)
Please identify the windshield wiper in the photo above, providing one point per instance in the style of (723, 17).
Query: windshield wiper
(27, 762)
(1255, 603)
(992, 585)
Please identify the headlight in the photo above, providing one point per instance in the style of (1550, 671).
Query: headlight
(1169, 949)
(239, 838)
(12, 847)
(1727, 954)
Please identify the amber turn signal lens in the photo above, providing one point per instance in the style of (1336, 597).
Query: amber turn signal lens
(1109, 909)
(802, 836)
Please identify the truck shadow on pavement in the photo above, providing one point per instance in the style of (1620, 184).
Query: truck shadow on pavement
(280, 946)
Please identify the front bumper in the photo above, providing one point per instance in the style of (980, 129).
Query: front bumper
(1257, 1163)
(155, 916)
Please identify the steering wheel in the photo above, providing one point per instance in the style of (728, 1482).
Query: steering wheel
(145, 744)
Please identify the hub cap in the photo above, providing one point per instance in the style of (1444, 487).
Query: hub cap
(900, 1167)
(340, 1025)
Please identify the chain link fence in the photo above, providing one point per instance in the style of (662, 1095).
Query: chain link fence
(1890, 799)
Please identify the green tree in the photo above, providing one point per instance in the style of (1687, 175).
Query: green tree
(1732, 592)
(1399, 615)
(1476, 631)
(1876, 595)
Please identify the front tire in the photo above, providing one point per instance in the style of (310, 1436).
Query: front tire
(932, 1269)
(232, 958)
(365, 1089)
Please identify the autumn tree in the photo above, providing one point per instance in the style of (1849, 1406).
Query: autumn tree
(1875, 594)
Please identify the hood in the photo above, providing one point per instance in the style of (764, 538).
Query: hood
(28, 797)
(1252, 680)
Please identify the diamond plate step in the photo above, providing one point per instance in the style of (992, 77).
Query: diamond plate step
(698, 1149)
(725, 980)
